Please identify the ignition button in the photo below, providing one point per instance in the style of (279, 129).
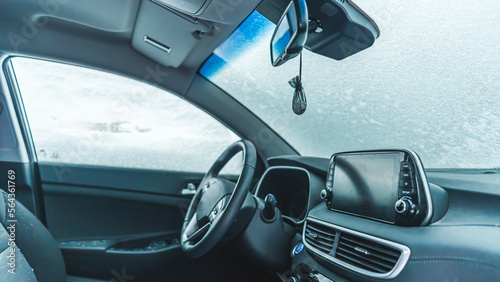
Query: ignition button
(298, 248)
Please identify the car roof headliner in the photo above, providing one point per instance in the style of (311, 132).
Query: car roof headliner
(97, 34)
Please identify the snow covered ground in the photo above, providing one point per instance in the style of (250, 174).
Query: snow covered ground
(88, 117)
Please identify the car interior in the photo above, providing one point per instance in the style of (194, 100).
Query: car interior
(257, 140)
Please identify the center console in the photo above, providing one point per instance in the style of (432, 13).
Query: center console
(305, 273)
(377, 206)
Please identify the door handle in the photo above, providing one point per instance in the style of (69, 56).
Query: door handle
(189, 190)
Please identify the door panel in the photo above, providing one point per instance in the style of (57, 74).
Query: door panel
(109, 152)
(113, 218)
(126, 179)
(103, 213)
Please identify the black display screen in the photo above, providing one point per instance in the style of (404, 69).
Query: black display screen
(366, 184)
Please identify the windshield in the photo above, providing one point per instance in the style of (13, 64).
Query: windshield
(430, 83)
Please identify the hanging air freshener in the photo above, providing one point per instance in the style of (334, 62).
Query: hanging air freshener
(299, 102)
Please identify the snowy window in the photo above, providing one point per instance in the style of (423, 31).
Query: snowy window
(430, 83)
(83, 116)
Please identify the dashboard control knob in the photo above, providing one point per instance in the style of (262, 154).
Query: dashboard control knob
(325, 194)
(403, 205)
(269, 212)
(293, 279)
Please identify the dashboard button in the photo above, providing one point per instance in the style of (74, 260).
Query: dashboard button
(406, 166)
(325, 194)
(405, 184)
(406, 192)
(298, 248)
(406, 175)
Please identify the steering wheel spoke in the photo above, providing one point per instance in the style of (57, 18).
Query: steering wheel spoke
(193, 231)
(217, 202)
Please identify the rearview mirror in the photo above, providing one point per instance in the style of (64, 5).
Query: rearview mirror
(290, 33)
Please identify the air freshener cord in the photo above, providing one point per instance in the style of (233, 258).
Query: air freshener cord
(299, 102)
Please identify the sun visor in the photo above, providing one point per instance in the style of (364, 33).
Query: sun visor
(167, 36)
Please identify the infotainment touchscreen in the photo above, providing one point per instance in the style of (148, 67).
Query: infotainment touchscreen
(367, 184)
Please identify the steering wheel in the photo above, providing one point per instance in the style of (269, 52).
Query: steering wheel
(217, 202)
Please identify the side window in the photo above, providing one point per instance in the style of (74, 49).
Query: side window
(89, 117)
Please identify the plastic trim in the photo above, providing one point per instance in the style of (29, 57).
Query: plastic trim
(400, 264)
(297, 222)
(156, 44)
(425, 186)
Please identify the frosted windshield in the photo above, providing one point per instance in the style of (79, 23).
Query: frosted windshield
(430, 83)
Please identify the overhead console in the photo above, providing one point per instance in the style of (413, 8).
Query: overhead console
(387, 186)
(341, 29)
(187, 6)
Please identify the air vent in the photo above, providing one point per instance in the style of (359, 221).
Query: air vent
(359, 252)
(366, 254)
(320, 237)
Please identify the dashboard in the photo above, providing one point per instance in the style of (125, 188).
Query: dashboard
(452, 233)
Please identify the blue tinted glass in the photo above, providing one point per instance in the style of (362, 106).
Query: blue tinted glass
(256, 28)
